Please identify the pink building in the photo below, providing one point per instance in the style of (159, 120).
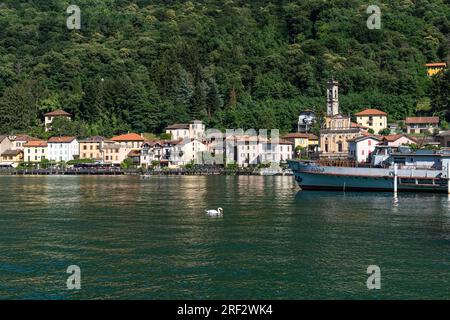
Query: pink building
(361, 148)
(397, 140)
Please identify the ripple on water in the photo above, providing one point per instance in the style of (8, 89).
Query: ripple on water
(152, 239)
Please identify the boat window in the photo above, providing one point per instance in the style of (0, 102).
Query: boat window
(399, 160)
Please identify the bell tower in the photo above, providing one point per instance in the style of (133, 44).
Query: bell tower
(332, 98)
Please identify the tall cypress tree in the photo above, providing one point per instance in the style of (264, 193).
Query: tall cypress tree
(214, 100)
(198, 103)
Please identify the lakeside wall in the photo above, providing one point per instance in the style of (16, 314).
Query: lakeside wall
(90, 171)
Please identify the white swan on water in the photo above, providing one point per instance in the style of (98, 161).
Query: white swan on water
(214, 213)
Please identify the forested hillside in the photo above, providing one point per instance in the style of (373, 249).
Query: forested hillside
(140, 65)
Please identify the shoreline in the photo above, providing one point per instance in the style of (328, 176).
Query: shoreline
(141, 173)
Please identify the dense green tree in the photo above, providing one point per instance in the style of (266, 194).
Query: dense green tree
(64, 127)
(440, 95)
(141, 65)
(18, 107)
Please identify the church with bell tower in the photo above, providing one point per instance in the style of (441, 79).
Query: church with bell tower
(337, 128)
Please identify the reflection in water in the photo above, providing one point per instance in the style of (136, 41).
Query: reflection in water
(148, 239)
(395, 202)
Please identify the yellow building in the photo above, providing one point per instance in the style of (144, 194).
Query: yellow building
(334, 134)
(12, 157)
(304, 140)
(114, 153)
(35, 151)
(435, 68)
(91, 148)
(373, 119)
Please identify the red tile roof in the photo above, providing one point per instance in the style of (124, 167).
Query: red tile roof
(58, 112)
(434, 120)
(395, 137)
(36, 143)
(61, 139)
(128, 137)
(436, 64)
(392, 137)
(294, 135)
(371, 112)
(24, 137)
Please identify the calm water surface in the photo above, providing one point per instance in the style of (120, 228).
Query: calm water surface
(150, 239)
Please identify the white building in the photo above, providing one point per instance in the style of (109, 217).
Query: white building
(306, 120)
(187, 151)
(193, 130)
(63, 149)
(247, 150)
(157, 151)
(361, 148)
(19, 141)
(276, 152)
(172, 153)
(421, 124)
(5, 143)
(178, 130)
(50, 116)
(35, 151)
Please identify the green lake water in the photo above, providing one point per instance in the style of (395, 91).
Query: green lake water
(151, 239)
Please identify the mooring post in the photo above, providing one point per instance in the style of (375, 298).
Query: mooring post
(395, 178)
(448, 178)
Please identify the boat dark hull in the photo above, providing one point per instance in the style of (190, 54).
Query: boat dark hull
(354, 179)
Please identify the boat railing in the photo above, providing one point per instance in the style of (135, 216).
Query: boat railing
(416, 167)
(336, 163)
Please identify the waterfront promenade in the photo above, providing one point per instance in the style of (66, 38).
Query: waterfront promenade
(143, 172)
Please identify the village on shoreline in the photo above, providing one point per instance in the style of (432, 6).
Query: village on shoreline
(191, 147)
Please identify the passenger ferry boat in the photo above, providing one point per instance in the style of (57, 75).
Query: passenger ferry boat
(423, 170)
